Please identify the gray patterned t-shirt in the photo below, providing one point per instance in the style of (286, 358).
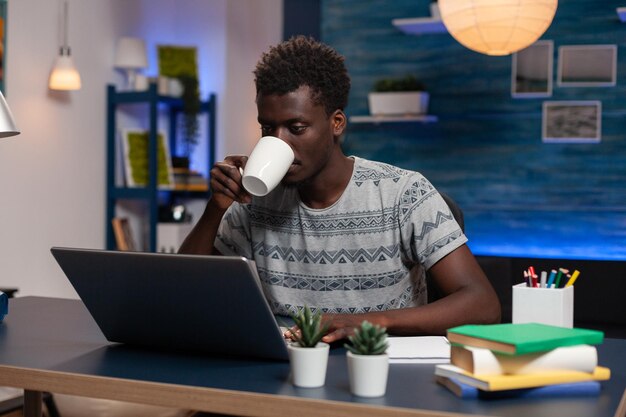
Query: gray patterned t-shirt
(366, 252)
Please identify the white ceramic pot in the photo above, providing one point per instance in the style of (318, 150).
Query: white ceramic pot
(368, 374)
(397, 103)
(308, 365)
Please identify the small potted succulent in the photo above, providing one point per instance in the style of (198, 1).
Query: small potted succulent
(307, 354)
(368, 362)
(398, 96)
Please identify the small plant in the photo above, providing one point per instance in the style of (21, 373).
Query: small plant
(368, 339)
(311, 328)
(407, 83)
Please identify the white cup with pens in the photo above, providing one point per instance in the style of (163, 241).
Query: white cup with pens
(547, 298)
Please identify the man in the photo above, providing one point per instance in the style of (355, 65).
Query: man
(345, 235)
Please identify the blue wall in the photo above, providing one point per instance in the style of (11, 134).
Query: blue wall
(520, 197)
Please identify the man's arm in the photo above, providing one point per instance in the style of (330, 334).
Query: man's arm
(225, 188)
(468, 298)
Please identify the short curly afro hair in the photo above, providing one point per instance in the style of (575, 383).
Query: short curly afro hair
(303, 61)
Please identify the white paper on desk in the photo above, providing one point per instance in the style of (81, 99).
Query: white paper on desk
(418, 349)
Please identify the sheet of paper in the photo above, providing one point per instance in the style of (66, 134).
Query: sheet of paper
(419, 349)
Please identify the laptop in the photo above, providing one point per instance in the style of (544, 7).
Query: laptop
(205, 304)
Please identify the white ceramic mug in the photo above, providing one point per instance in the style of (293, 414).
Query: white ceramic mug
(267, 165)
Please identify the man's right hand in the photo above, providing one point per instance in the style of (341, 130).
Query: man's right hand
(226, 184)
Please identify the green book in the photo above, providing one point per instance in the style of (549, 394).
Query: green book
(521, 338)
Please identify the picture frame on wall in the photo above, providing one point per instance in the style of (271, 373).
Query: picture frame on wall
(532, 70)
(135, 153)
(572, 121)
(587, 66)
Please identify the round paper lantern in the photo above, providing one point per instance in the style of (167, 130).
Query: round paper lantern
(497, 27)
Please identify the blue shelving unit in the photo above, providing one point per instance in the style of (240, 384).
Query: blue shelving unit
(150, 194)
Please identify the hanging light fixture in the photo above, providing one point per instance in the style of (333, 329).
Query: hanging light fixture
(64, 75)
(497, 27)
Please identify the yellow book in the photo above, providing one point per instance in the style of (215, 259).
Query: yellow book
(504, 382)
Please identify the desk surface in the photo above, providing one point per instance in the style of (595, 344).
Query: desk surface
(54, 345)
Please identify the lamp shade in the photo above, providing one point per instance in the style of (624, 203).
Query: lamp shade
(64, 75)
(7, 124)
(131, 53)
(497, 27)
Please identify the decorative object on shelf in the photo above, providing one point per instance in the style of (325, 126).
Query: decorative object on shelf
(7, 123)
(171, 235)
(135, 148)
(308, 355)
(123, 234)
(587, 66)
(64, 75)
(621, 13)
(368, 362)
(531, 71)
(572, 121)
(497, 27)
(398, 96)
(181, 63)
(130, 56)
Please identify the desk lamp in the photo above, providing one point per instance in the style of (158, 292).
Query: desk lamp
(7, 124)
(131, 57)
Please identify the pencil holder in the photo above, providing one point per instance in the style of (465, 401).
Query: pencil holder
(553, 306)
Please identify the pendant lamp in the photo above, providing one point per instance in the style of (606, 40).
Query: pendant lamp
(64, 75)
(497, 27)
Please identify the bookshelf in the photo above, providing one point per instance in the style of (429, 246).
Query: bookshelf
(150, 193)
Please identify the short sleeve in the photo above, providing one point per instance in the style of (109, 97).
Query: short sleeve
(428, 228)
(233, 236)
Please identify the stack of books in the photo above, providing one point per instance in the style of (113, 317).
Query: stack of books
(186, 179)
(529, 359)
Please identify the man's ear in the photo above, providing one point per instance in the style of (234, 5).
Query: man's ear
(338, 122)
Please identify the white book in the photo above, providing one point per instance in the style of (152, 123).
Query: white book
(418, 349)
(481, 361)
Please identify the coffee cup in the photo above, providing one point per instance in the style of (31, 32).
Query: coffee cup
(267, 165)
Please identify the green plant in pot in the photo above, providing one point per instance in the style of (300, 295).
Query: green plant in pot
(368, 362)
(398, 96)
(307, 354)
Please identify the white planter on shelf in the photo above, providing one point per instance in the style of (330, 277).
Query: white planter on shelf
(398, 102)
(368, 374)
(308, 365)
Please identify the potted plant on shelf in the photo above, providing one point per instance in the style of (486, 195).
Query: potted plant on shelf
(307, 354)
(368, 362)
(398, 96)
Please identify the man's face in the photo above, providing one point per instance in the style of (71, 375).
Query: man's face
(303, 125)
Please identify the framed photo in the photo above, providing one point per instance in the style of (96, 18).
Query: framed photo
(587, 66)
(531, 71)
(572, 122)
(135, 149)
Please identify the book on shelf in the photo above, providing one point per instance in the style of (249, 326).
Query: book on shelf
(123, 234)
(520, 338)
(507, 382)
(573, 389)
(481, 361)
(189, 180)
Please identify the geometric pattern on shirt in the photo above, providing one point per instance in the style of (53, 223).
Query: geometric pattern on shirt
(373, 221)
(440, 243)
(326, 283)
(405, 299)
(382, 171)
(341, 256)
